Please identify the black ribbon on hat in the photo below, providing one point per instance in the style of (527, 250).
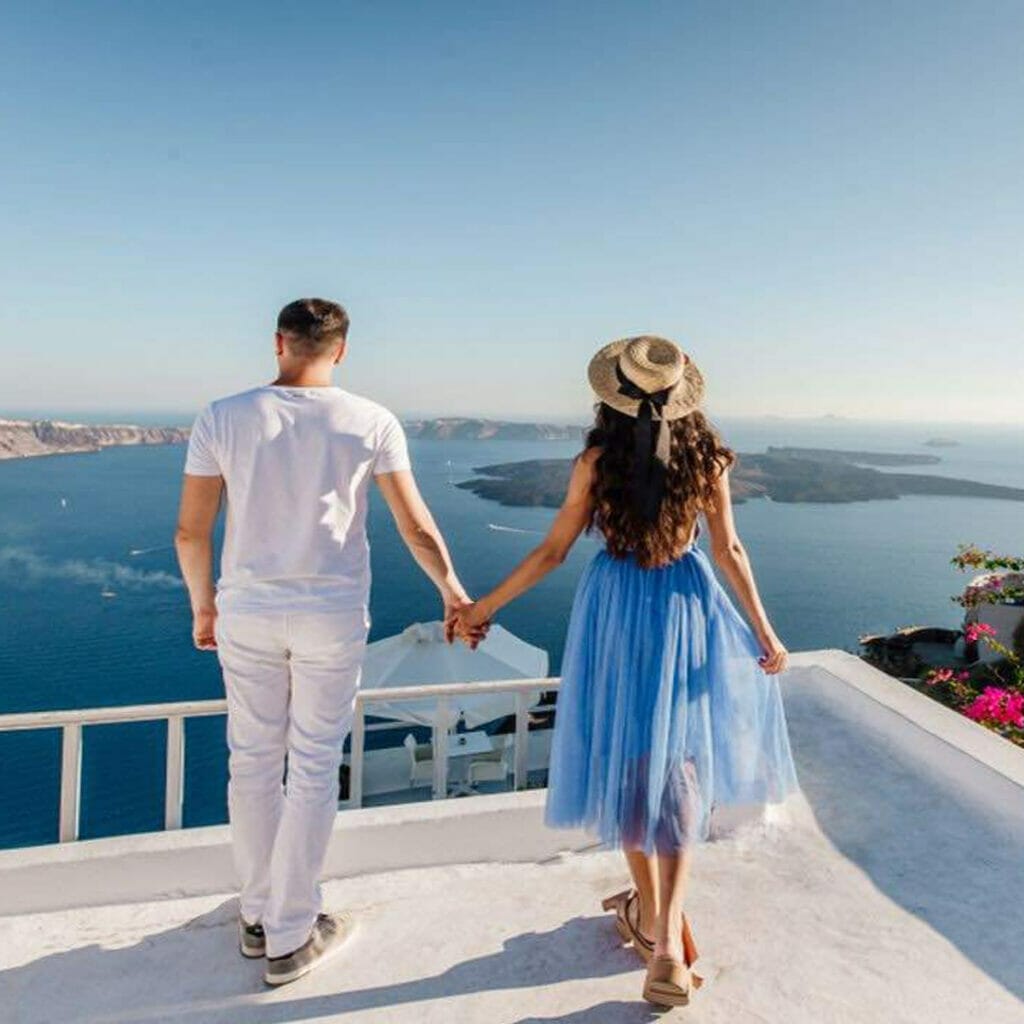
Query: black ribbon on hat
(650, 463)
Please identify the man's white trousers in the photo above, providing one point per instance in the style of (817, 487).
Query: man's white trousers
(291, 682)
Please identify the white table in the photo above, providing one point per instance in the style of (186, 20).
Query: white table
(463, 745)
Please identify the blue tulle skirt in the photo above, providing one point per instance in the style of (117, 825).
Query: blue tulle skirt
(664, 714)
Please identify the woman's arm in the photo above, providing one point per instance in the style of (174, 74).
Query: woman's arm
(571, 521)
(730, 556)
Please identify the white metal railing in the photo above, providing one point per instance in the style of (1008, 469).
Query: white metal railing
(71, 722)
(175, 714)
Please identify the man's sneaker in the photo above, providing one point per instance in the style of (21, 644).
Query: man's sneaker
(327, 938)
(252, 942)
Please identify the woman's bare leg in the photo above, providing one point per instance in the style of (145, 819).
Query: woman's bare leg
(644, 870)
(673, 873)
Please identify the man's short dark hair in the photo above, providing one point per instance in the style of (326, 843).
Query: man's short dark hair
(313, 326)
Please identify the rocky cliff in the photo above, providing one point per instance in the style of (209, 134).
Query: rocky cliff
(464, 429)
(22, 439)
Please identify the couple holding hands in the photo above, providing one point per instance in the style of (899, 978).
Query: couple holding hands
(668, 709)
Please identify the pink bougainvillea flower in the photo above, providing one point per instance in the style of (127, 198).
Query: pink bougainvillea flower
(938, 675)
(997, 706)
(1013, 709)
(976, 630)
(985, 705)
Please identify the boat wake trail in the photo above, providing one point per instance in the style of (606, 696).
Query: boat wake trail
(512, 529)
(135, 552)
(25, 565)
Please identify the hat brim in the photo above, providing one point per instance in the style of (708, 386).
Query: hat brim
(684, 398)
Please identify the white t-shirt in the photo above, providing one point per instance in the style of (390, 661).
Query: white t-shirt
(297, 463)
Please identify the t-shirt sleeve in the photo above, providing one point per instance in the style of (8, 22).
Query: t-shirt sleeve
(392, 450)
(201, 459)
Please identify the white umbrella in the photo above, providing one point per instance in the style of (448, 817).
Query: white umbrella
(419, 655)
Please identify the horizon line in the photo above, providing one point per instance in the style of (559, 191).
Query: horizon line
(182, 417)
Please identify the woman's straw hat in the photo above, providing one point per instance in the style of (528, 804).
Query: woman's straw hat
(632, 372)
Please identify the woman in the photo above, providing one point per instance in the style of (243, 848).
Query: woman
(666, 709)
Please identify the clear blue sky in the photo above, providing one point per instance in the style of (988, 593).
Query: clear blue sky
(822, 201)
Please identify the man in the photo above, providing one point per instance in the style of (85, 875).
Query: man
(289, 616)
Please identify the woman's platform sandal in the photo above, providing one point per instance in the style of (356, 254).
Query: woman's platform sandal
(668, 982)
(626, 905)
(620, 904)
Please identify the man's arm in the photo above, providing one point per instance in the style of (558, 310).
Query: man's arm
(193, 540)
(422, 537)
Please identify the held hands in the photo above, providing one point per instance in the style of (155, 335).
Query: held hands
(463, 620)
(472, 624)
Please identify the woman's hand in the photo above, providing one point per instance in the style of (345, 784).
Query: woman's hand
(775, 657)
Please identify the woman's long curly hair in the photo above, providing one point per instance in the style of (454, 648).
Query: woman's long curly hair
(697, 456)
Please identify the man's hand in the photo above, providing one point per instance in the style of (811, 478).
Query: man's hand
(203, 623)
(471, 623)
(452, 603)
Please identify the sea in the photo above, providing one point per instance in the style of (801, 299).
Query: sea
(93, 612)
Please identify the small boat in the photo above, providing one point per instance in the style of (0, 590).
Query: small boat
(108, 593)
(509, 529)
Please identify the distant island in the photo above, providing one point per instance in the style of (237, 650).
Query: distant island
(25, 439)
(467, 429)
(941, 442)
(863, 458)
(780, 474)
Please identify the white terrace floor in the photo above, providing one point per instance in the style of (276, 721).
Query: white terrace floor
(890, 893)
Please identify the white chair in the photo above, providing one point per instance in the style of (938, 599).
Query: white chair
(421, 761)
(492, 766)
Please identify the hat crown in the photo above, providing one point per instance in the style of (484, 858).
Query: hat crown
(653, 364)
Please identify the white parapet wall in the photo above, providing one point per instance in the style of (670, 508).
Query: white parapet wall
(971, 758)
(193, 862)
(850, 700)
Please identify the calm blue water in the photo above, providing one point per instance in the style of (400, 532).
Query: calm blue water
(69, 526)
